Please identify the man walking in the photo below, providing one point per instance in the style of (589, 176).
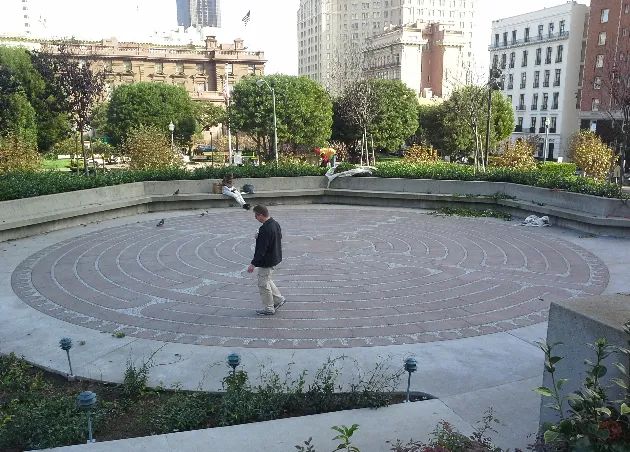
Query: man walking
(267, 255)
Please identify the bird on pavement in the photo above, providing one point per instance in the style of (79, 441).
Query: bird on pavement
(202, 214)
(176, 192)
(160, 223)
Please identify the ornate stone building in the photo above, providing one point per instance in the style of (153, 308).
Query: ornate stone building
(200, 70)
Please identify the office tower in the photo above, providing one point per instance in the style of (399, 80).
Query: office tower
(198, 13)
(539, 56)
(334, 34)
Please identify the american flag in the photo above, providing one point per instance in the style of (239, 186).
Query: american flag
(245, 19)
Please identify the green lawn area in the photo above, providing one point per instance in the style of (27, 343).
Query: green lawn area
(59, 164)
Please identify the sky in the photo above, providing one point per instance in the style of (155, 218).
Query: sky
(272, 25)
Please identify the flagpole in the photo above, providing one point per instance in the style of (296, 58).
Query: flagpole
(226, 87)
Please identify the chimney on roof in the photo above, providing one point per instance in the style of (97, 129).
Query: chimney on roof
(211, 42)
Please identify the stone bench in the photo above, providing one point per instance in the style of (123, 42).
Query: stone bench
(30, 216)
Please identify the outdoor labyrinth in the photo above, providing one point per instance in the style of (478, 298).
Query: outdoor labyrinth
(352, 277)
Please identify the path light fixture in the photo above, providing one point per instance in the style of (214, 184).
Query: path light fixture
(260, 82)
(411, 365)
(233, 360)
(171, 127)
(86, 401)
(66, 344)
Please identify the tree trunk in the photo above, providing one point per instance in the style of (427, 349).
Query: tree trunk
(85, 159)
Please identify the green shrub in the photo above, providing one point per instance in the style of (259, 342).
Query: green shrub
(559, 169)
(181, 411)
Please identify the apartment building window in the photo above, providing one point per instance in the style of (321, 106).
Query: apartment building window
(546, 79)
(556, 78)
(521, 102)
(595, 105)
(538, 56)
(601, 38)
(128, 66)
(597, 83)
(548, 55)
(229, 68)
(559, 51)
(179, 68)
(545, 101)
(200, 68)
(526, 39)
(561, 27)
(555, 101)
(550, 29)
(603, 17)
(532, 124)
(251, 69)
(108, 66)
(509, 97)
(536, 79)
(505, 36)
(496, 40)
(540, 31)
(512, 58)
(510, 81)
(523, 79)
(524, 60)
(626, 8)
(513, 36)
(535, 101)
(519, 123)
(552, 124)
(159, 67)
(503, 58)
(599, 61)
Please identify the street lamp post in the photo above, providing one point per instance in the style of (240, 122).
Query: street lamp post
(493, 84)
(260, 83)
(171, 127)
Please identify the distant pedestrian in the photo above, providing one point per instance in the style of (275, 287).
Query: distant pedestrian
(232, 192)
(267, 255)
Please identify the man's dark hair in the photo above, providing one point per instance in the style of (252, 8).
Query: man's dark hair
(261, 210)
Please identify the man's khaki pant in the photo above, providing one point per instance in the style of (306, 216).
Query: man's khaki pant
(269, 293)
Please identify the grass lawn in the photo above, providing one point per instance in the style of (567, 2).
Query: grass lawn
(59, 164)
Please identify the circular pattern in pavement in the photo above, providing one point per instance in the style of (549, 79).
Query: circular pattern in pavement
(352, 277)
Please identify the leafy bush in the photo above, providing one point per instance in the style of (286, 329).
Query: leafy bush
(181, 411)
(419, 153)
(148, 148)
(519, 154)
(590, 153)
(17, 154)
(558, 169)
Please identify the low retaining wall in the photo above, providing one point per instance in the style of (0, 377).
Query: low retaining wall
(577, 323)
(30, 216)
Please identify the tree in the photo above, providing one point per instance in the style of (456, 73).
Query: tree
(150, 104)
(303, 111)
(78, 86)
(209, 115)
(419, 153)
(591, 154)
(22, 84)
(519, 154)
(465, 119)
(431, 126)
(356, 110)
(148, 147)
(396, 114)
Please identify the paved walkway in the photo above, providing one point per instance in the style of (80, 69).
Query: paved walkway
(466, 296)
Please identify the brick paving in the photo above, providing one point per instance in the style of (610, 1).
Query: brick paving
(352, 278)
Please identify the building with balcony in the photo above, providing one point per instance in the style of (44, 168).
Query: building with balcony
(605, 66)
(338, 39)
(539, 55)
(201, 70)
(425, 57)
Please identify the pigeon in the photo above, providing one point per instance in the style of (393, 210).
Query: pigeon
(176, 192)
(160, 223)
(202, 214)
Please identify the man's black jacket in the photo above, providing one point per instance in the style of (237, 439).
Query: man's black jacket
(268, 245)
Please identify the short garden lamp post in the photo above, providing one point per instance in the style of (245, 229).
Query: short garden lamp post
(86, 401)
(260, 82)
(410, 366)
(66, 344)
(171, 127)
(233, 360)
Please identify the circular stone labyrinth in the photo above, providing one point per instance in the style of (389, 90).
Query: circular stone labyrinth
(351, 277)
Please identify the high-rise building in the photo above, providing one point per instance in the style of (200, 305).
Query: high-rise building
(539, 56)
(334, 34)
(199, 13)
(604, 88)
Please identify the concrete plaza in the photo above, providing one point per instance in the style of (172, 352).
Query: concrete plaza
(466, 296)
